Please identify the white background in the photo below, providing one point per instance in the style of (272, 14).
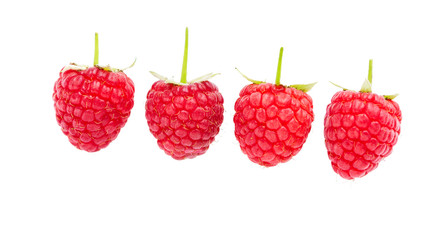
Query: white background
(132, 190)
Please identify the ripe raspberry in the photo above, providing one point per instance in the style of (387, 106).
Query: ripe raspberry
(361, 129)
(92, 104)
(272, 121)
(184, 118)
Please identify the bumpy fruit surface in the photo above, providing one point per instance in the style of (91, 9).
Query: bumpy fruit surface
(360, 130)
(92, 105)
(272, 122)
(184, 118)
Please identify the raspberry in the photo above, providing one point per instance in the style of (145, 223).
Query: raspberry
(361, 129)
(92, 104)
(272, 121)
(184, 117)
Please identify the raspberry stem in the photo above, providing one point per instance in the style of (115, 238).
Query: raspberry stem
(184, 64)
(367, 84)
(370, 71)
(279, 67)
(95, 57)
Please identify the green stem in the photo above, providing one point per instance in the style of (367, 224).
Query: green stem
(184, 64)
(367, 84)
(370, 71)
(279, 67)
(95, 58)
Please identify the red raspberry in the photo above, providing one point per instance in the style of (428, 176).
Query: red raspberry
(361, 129)
(92, 104)
(272, 122)
(184, 118)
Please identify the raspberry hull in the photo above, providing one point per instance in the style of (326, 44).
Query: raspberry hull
(184, 118)
(360, 130)
(272, 122)
(92, 106)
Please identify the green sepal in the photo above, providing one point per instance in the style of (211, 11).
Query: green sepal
(172, 81)
(303, 87)
(366, 87)
(203, 78)
(390, 97)
(111, 69)
(344, 89)
(131, 65)
(74, 66)
(108, 68)
(249, 79)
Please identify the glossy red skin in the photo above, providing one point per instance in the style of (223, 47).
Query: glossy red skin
(184, 118)
(360, 130)
(92, 106)
(272, 122)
